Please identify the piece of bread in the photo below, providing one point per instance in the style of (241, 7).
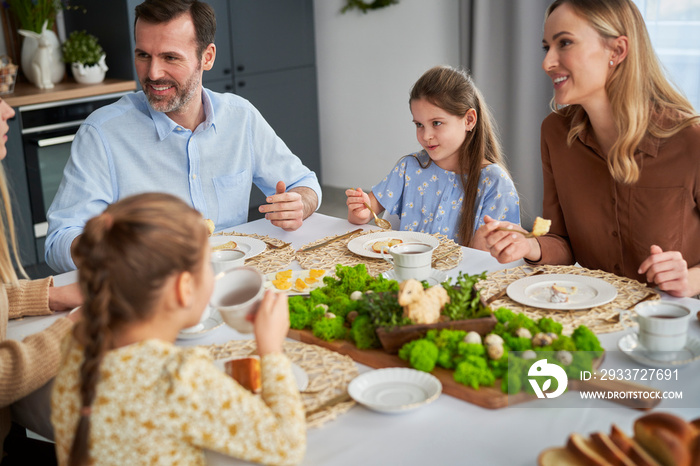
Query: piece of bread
(245, 371)
(540, 226)
(667, 437)
(585, 450)
(210, 225)
(229, 245)
(377, 246)
(559, 457)
(608, 450)
(631, 448)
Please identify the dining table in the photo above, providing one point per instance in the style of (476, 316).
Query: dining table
(448, 431)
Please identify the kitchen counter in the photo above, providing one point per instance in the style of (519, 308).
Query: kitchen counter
(28, 94)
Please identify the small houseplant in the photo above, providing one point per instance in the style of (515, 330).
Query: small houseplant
(86, 56)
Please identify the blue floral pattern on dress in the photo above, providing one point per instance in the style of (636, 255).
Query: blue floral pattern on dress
(429, 200)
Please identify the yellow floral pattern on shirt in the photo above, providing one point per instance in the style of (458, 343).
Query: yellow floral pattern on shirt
(159, 404)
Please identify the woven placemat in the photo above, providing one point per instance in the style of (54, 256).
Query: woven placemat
(329, 374)
(448, 253)
(271, 259)
(600, 319)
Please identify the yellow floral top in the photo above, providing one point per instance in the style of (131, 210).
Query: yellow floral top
(159, 404)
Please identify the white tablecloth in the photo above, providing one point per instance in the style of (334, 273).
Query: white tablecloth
(448, 431)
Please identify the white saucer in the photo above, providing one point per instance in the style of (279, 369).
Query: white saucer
(395, 389)
(213, 322)
(436, 276)
(629, 344)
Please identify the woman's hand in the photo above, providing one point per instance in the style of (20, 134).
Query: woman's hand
(670, 273)
(65, 298)
(504, 246)
(271, 323)
(357, 212)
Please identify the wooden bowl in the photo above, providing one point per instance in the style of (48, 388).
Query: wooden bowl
(392, 340)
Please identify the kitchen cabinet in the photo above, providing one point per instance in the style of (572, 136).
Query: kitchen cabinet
(265, 53)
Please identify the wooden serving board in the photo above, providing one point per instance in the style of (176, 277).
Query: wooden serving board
(486, 397)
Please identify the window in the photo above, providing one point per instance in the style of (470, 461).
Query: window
(674, 29)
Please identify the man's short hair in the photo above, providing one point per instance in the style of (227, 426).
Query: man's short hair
(163, 11)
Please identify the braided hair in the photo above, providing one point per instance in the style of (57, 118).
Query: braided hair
(124, 257)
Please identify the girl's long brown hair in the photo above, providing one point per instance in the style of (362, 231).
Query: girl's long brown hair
(642, 99)
(454, 91)
(124, 257)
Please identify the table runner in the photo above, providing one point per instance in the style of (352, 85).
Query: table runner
(270, 260)
(337, 252)
(329, 374)
(600, 319)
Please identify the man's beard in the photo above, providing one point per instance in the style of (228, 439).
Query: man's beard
(183, 95)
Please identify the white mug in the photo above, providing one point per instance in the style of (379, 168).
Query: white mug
(663, 325)
(410, 260)
(237, 293)
(224, 259)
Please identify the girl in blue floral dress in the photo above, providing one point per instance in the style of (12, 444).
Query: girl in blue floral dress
(459, 171)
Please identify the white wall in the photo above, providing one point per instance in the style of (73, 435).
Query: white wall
(366, 65)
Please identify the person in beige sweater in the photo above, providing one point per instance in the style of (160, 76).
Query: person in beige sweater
(28, 364)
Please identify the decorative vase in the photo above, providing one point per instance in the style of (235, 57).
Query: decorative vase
(91, 74)
(57, 68)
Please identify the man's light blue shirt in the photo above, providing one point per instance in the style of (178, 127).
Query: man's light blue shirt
(128, 148)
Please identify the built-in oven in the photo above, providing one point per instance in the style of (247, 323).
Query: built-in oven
(47, 132)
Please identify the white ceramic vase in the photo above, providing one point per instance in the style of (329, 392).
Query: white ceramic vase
(89, 74)
(57, 68)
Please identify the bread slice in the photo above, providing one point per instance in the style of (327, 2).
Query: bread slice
(210, 225)
(631, 448)
(558, 457)
(229, 245)
(540, 226)
(667, 437)
(245, 371)
(608, 450)
(378, 246)
(585, 450)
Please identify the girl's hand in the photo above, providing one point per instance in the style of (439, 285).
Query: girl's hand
(357, 212)
(506, 247)
(65, 298)
(670, 273)
(271, 323)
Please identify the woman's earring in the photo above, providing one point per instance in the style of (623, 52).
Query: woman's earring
(612, 63)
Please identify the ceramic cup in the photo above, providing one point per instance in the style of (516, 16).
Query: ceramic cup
(663, 325)
(410, 260)
(224, 259)
(237, 293)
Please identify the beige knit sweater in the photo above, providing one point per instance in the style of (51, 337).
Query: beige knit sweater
(28, 364)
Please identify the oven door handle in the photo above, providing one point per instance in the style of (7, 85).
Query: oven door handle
(55, 141)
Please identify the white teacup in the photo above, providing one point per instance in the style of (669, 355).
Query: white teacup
(663, 325)
(224, 259)
(237, 293)
(410, 260)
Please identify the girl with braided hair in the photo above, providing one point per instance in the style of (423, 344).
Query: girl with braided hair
(125, 394)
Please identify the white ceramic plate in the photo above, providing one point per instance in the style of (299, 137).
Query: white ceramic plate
(213, 322)
(250, 246)
(295, 274)
(362, 245)
(436, 276)
(300, 375)
(395, 389)
(629, 344)
(584, 292)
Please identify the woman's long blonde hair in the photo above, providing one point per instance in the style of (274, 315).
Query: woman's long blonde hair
(454, 91)
(9, 256)
(641, 97)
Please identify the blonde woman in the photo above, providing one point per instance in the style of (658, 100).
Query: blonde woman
(620, 154)
(25, 365)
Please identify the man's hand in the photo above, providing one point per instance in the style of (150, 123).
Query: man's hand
(288, 209)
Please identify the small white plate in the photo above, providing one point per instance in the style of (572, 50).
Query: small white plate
(629, 344)
(395, 389)
(213, 322)
(295, 274)
(535, 291)
(300, 375)
(362, 245)
(436, 276)
(250, 246)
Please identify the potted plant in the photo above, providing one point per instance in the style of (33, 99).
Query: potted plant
(86, 56)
